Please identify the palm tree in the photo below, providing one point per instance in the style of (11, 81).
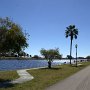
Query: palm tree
(71, 32)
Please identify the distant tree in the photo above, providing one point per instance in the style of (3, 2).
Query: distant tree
(71, 32)
(80, 57)
(30, 56)
(21, 53)
(68, 56)
(12, 39)
(36, 57)
(88, 57)
(27, 55)
(50, 55)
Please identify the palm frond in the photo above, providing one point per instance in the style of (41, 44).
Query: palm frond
(66, 33)
(71, 31)
(75, 36)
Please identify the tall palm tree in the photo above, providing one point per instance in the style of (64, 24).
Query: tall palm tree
(71, 32)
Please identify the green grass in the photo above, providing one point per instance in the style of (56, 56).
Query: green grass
(43, 77)
(8, 76)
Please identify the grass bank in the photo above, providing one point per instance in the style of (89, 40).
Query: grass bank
(8, 76)
(44, 77)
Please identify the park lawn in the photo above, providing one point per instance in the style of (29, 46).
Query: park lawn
(8, 76)
(45, 77)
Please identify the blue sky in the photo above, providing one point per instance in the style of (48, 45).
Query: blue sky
(46, 22)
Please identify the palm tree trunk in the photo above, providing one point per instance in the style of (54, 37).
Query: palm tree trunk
(71, 51)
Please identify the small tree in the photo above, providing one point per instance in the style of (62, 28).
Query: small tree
(50, 55)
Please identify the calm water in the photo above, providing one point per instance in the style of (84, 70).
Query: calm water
(25, 64)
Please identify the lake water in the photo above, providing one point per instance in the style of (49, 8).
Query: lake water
(25, 64)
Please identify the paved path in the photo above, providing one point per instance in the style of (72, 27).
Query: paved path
(24, 76)
(78, 81)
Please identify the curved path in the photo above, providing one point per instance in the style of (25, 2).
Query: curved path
(24, 76)
(78, 81)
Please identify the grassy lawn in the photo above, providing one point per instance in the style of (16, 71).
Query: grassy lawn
(42, 77)
(8, 76)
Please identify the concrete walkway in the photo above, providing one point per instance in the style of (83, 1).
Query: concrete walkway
(78, 81)
(24, 76)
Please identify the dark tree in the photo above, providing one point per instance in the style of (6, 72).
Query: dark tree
(35, 57)
(72, 32)
(50, 55)
(12, 39)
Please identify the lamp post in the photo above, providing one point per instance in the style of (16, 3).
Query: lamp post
(76, 54)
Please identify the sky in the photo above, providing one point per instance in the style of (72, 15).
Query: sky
(46, 22)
